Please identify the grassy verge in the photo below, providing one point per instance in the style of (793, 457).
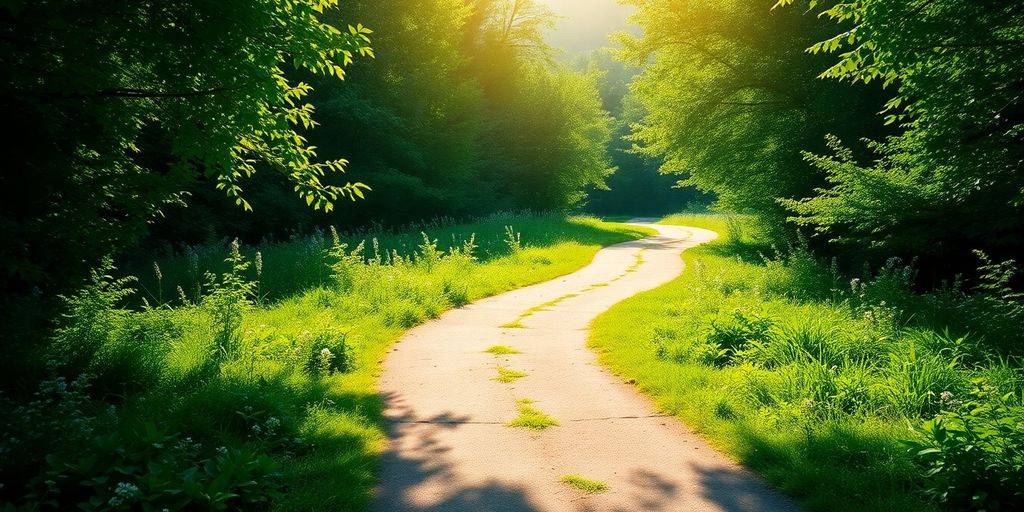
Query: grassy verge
(816, 381)
(246, 390)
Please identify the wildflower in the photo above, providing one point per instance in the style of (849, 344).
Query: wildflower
(156, 272)
(272, 423)
(945, 396)
(259, 264)
(222, 450)
(256, 429)
(126, 490)
(808, 404)
(326, 352)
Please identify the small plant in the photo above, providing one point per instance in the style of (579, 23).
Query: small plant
(429, 254)
(230, 297)
(513, 240)
(159, 284)
(585, 485)
(502, 350)
(507, 375)
(734, 229)
(733, 333)
(329, 353)
(148, 469)
(531, 417)
(344, 264)
(974, 454)
(259, 275)
(91, 315)
(456, 293)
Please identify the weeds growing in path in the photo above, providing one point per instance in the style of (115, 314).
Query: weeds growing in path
(584, 485)
(530, 417)
(508, 375)
(502, 350)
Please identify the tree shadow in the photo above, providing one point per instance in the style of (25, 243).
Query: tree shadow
(735, 490)
(403, 474)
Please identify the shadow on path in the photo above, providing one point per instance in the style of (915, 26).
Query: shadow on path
(404, 474)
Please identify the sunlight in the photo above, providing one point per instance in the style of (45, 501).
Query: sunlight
(586, 24)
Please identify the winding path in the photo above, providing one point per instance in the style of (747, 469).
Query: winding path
(450, 448)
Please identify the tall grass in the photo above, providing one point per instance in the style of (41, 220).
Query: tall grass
(815, 379)
(254, 387)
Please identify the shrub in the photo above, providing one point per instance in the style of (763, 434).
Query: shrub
(92, 314)
(732, 333)
(915, 379)
(974, 454)
(148, 469)
(799, 338)
(798, 274)
(329, 352)
(132, 359)
(345, 265)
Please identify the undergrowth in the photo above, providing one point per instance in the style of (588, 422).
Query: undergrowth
(848, 393)
(252, 386)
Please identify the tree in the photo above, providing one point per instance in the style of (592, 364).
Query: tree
(548, 132)
(952, 180)
(411, 119)
(119, 105)
(636, 188)
(730, 99)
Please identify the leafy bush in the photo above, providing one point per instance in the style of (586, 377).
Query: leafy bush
(329, 352)
(92, 314)
(147, 469)
(798, 274)
(974, 452)
(798, 339)
(64, 450)
(914, 379)
(733, 333)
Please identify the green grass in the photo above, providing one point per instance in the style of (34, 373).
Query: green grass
(269, 384)
(295, 266)
(777, 365)
(584, 485)
(502, 350)
(530, 417)
(508, 375)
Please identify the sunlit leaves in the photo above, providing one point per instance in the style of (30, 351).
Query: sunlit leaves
(123, 107)
(731, 97)
(952, 68)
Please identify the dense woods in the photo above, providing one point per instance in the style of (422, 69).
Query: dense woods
(202, 210)
(884, 127)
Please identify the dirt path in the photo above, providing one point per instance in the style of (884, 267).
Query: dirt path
(451, 449)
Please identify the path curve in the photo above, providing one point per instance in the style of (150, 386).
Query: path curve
(451, 451)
